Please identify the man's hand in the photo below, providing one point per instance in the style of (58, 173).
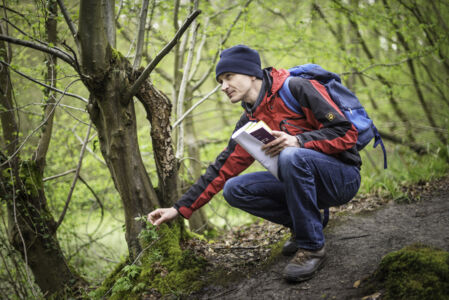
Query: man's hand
(282, 141)
(162, 215)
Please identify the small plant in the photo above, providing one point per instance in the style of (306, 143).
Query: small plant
(149, 233)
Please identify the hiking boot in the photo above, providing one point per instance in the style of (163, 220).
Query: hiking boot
(290, 247)
(304, 264)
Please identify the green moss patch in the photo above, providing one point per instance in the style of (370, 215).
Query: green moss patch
(162, 269)
(414, 272)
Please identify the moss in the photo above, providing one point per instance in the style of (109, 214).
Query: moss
(414, 272)
(164, 267)
(276, 250)
(116, 55)
(31, 178)
(168, 268)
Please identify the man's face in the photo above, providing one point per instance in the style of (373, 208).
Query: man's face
(236, 86)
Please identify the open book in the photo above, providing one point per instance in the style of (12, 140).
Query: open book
(251, 137)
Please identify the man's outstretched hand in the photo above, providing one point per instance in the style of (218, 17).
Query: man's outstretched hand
(162, 215)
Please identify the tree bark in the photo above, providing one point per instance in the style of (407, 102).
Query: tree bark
(158, 108)
(31, 227)
(111, 83)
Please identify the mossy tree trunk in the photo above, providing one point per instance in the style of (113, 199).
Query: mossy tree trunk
(31, 226)
(108, 76)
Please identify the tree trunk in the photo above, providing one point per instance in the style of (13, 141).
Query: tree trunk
(198, 222)
(116, 126)
(31, 227)
(158, 109)
(32, 232)
(108, 79)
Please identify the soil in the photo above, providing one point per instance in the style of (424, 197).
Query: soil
(357, 238)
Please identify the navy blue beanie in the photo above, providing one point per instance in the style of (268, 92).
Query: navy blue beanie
(239, 59)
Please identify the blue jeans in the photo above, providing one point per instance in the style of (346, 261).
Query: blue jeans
(309, 181)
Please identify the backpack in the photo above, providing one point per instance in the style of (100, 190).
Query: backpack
(343, 98)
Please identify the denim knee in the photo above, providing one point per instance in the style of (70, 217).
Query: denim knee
(292, 156)
(229, 191)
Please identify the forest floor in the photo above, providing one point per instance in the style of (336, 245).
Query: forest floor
(246, 266)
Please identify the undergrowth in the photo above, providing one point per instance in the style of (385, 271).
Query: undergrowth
(162, 268)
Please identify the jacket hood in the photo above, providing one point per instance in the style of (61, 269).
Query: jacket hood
(278, 77)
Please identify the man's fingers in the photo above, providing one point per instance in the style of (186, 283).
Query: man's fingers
(154, 216)
(159, 221)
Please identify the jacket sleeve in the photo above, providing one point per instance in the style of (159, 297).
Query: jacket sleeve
(229, 163)
(334, 133)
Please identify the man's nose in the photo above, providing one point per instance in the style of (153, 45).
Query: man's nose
(224, 86)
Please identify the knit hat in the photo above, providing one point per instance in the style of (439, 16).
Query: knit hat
(239, 59)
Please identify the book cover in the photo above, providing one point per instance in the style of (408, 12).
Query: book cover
(253, 144)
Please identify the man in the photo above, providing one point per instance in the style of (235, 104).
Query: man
(318, 162)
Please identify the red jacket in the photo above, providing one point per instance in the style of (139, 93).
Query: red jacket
(322, 127)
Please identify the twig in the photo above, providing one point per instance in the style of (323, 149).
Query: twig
(141, 34)
(90, 150)
(183, 86)
(34, 131)
(377, 65)
(23, 32)
(119, 10)
(50, 50)
(43, 84)
(69, 22)
(135, 87)
(237, 247)
(99, 204)
(75, 179)
(353, 237)
(195, 106)
(59, 175)
(223, 41)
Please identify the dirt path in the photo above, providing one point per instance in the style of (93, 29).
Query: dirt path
(355, 244)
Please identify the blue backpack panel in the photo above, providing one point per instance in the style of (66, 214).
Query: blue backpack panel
(343, 98)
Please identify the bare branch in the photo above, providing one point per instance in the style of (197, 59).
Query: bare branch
(17, 151)
(183, 86)
(198, 51)
(43, 84)
(133, 90)
(75, 178)
(50, 50)
(376, 65)
(59, 175)
(119, 10)
(69, 22)
(23, 32)
(17, 13)
(223, 41)
(90, 150)
(195, 106)
(141, 33)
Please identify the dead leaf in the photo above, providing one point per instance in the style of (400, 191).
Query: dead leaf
(374, 296)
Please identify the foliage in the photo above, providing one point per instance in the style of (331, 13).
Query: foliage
(163, 267)
(297, 32)
(414, 272)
